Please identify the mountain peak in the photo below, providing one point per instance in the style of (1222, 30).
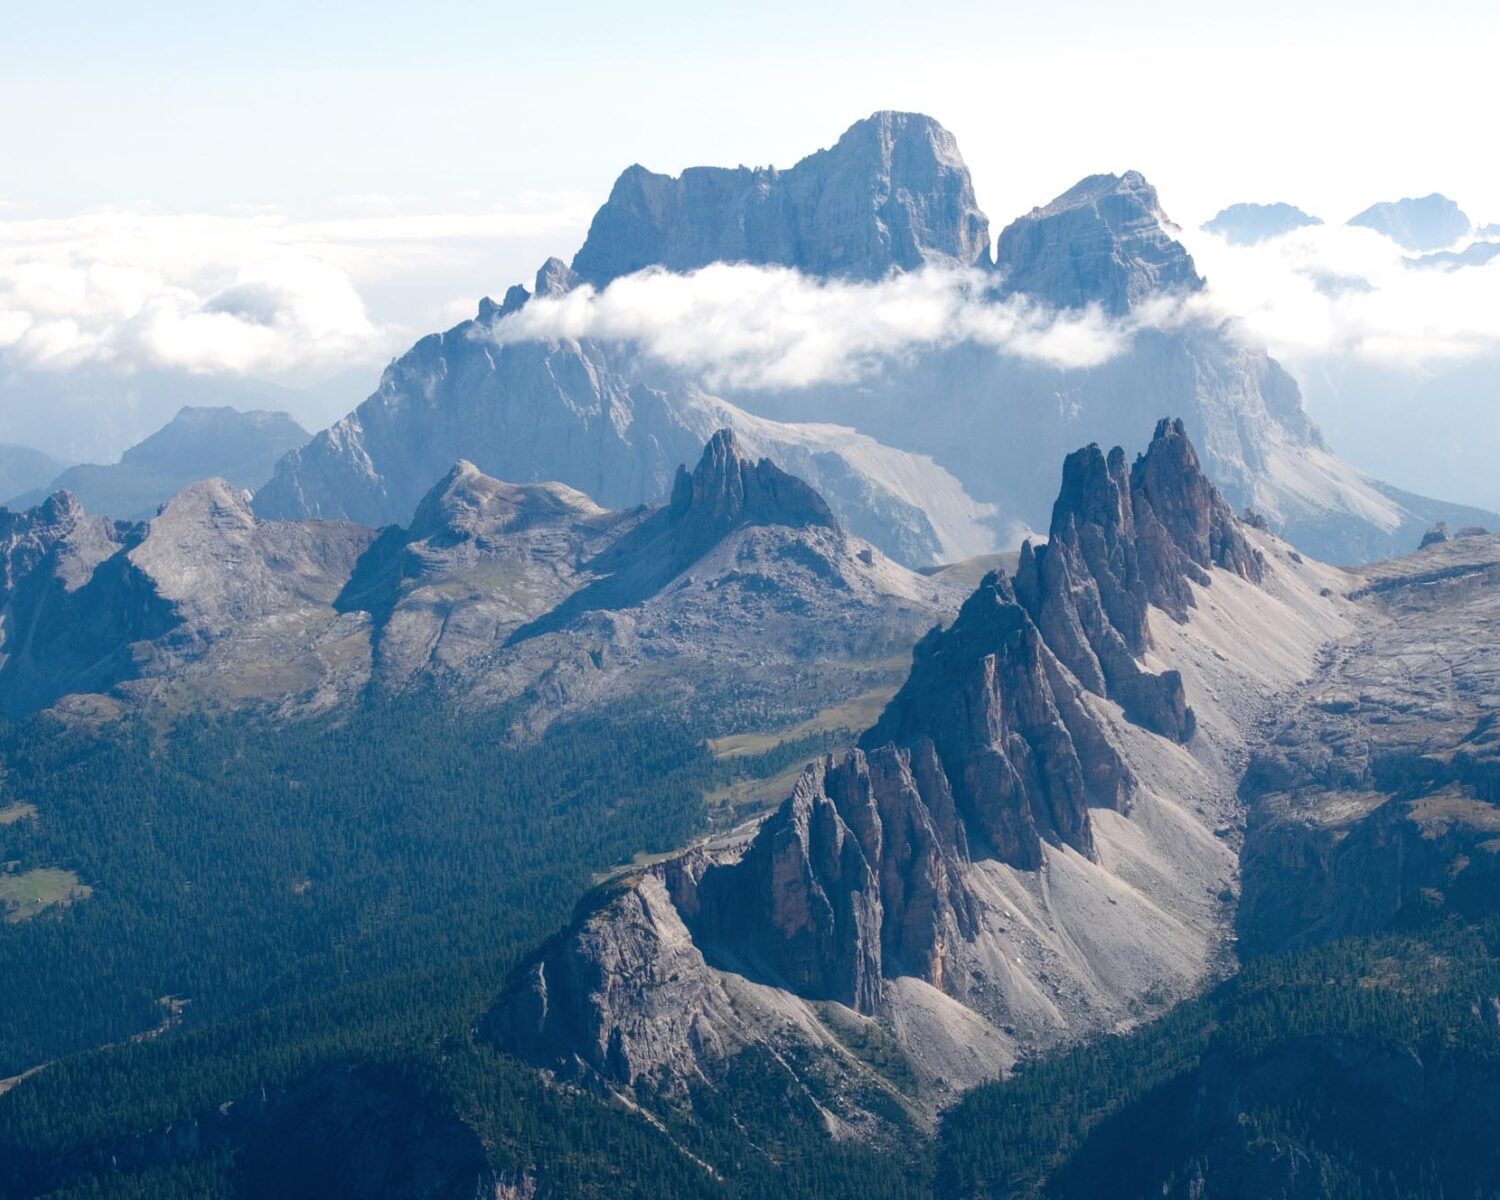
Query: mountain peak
(1104, 241)
(1419, 223)
(210, 502)
(728, 489)
(1248, 224)
(892, 193)
(468, 503)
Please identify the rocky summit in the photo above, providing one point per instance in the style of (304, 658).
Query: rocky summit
(1104, 241)
(892, 193)
(1427, 223)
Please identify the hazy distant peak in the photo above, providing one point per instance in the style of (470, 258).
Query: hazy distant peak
(1248, 224)
(1422, 223)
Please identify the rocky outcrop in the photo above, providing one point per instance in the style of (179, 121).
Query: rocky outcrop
(892, 193)
(1104, 241)
(1120, 543)
(727, 490)
(862, 871)
(526, 541)
(1436, 535)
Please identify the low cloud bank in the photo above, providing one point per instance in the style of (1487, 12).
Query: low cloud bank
(766, 327)
(1335, 292)
(261, 295)
(251, 293)
(1315, 294)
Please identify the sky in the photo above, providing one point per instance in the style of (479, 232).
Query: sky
(293, 192)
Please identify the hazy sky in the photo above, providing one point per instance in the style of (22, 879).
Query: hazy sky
(287, 189)
(317, 107)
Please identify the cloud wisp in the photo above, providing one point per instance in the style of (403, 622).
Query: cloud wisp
(742, 326)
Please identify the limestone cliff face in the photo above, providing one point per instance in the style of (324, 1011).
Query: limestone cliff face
(727, 489)
(1022, 754)
(862, 869)
(892, 193)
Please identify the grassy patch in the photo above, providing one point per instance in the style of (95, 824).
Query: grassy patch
(856, 713)
(18, 811)
(24, 895)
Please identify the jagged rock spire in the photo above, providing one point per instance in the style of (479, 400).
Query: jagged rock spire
(1121, 542)
(728, 489)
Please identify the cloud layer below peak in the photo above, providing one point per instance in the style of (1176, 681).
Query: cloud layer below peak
(771, 327)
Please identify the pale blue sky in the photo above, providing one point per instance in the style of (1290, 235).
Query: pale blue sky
(196, 106)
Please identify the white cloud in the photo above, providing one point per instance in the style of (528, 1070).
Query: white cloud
(1335, 292)
(765, 327)
(254, 292)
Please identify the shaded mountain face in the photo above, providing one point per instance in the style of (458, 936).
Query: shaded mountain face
(68, 608)
(989, 871)
(1251, 224)
(1430, 223)
(203, 600)
(892, 194)
(1105, 241)
(198, 443)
